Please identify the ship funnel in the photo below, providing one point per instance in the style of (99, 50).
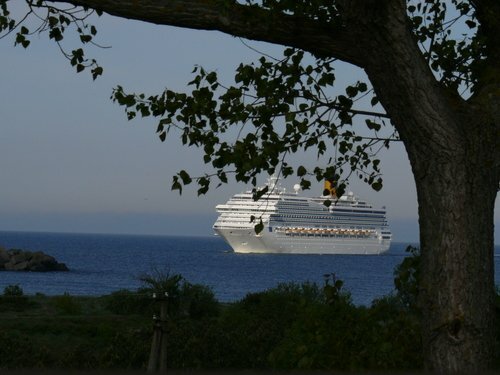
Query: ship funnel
(329, 189)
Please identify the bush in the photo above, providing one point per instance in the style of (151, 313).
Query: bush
(186, 300)
(13, 290)
(16, 349)
(248, 331)
(292, 326)
(125, 350)
(66, 304)
(13, 299)
(406, 278)
(394, 337)
(198, 301)
(323, 334)
(126, 302)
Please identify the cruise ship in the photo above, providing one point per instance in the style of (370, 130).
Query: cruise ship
(302, 225)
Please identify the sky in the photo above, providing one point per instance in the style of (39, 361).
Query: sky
(71, 162)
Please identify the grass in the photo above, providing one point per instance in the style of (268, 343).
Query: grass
(67, 331)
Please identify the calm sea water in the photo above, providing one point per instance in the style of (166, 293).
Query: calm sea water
(100, 264)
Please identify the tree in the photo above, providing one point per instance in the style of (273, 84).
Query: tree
(434, 68)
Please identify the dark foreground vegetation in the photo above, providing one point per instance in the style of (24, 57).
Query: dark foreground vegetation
(292, 326)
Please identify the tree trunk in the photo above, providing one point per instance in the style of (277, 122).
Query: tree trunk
(456, 204)
(452, 146)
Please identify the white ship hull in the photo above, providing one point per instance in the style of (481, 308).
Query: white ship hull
(300, 225)
(247, 241)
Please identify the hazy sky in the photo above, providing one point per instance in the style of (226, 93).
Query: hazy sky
(70, 161)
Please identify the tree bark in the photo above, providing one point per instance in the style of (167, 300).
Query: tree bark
(453, 150)
(456, 203)
(251, 22)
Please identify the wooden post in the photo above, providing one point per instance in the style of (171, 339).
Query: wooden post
(153, 355)
(158, 355)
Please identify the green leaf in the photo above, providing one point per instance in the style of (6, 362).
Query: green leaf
(20, 38)
(85, 38)
(176, 185)
(186, 179)
(301, 171)
(340, 189)
(373, 125)
(471, 24)
(222, 177)
(53, 21)
(204, 184)
(305, 184)
(211, 77)
(377, 185)
(56, 34)
(259, 227)
(351, 91)
(257, 194)
(362, 87)
(96, 72)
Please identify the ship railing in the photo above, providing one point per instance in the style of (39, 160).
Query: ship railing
(343, 232)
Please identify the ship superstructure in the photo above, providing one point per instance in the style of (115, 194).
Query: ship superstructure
(302, 225)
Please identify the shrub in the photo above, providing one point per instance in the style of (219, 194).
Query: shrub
(125, 350)
(198, 301)
(406, 278)
(158, 283)
(13, 290)
(323, 334)
(126, 302)
(13, 299)
(66, 304)
(195, 301)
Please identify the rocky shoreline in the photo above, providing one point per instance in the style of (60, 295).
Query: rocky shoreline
(21, 260)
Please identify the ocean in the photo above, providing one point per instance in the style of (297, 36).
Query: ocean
(100, 264)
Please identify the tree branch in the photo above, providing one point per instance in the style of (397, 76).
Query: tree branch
(247, 21)
(372, 34)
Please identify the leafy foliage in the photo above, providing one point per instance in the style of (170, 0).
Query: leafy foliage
(276, 108)
(55, 22)
(407, 277)
(13, 290)
(13, 299)
(455, 58)
(333, 290)
(127, 302)
(322, 11)
(184, 299)
(291, 326)
(66, 305)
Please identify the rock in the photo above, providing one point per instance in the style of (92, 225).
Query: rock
(16, 266)
(19, 256)
(19, 260)
(41, 262)
(4, 257)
